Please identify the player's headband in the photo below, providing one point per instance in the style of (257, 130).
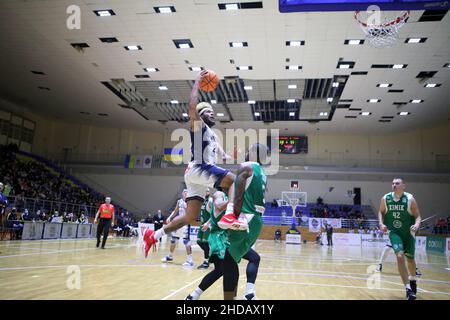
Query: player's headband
(204, 109)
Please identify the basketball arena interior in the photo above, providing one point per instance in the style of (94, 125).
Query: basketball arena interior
(348, 97)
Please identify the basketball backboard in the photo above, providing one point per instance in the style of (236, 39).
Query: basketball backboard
(352, 5)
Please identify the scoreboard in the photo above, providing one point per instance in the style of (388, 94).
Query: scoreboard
(352, 5)
(293, 144)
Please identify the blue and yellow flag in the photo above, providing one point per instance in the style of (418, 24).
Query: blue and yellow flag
(129, 161)
(172, 154)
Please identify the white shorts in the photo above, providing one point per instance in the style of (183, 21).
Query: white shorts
(200, 177)
(182, 233)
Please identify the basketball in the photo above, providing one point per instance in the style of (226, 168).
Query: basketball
(209, 81)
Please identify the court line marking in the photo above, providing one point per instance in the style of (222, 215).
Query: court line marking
(182, 288)
(62, 251)
(343, 286)
(289, 258)
(30, 248)
(82, 266)
(289, 271)
(54, 241)
(331, 275)
(294, 260)
(336, 276)
(278, 254)
(352, 273)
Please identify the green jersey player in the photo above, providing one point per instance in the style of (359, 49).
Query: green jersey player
(400, 215)
(202, 235)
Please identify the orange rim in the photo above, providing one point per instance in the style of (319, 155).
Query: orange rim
(403, 17)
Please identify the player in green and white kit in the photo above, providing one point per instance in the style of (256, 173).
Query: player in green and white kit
(217, 240)
(202, 235)
(228, 247)
(250, 187)
(400, 215)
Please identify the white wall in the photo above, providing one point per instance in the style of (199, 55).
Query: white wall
(419, 145)
(155, 192)
(430, 196)
(148, 193)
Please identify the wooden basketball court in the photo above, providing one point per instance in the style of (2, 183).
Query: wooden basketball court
(49, 269)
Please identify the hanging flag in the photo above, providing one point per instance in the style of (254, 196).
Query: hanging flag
(172, 154)
(129, 161)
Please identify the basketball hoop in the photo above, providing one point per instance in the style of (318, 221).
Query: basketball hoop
(383, 34)
(293, 199)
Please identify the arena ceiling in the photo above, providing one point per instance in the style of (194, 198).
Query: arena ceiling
(46, 70)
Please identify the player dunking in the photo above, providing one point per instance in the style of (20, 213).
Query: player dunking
(400, 215)
(202, 172)
(180, 210)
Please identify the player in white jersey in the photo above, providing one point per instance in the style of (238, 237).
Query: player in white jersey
(385, 253)
(183, 233)
(202, 172)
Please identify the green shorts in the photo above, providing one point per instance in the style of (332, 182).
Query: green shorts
(218, 244)
(202, 236)
(242, 241)
(405, 243)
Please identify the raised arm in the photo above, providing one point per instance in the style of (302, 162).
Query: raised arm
(174, 213)
(193, 100)
(416, 213)
(220, 203)
(245, 171)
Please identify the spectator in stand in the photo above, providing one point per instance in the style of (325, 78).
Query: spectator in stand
(14, 222)
(441, 226)
(120, 225)
(374, 232)
(3, 202)
(126, 224)
(274, 203)
(82, 219)
(149, 218)
(319, 201)
(56, 218)
(43, 216)
(26, 216)
(325, 213)
(158, 220)
(33, 179)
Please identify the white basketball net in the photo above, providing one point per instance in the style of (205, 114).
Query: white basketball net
(294, 199)
(383, 34)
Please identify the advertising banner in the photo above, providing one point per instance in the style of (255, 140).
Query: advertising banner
(32, 230)
(52, 230)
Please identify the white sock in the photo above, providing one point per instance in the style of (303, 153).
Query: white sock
(408, 286)
(230, 208)
(250, 288)
(159, 233)
(189, 258)
(197, 293)
(170, 255)
(412, 278)
(384, 254)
